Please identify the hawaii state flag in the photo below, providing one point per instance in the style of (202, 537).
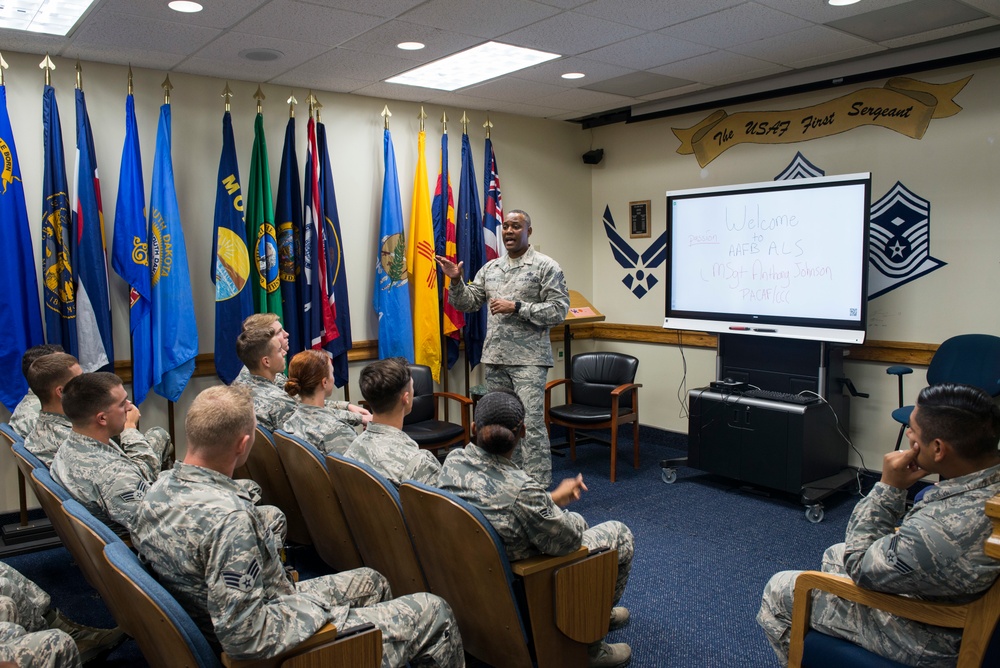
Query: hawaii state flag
(93, 302)
(288, 221)
(492, 206)
(423, 271)
(175, 331)
(19, 298)
(471, 250)
(230, 269)
(337, 340)
(130, 255)
(391, 298)
(318, 318)
(445, 235)
(264, 277)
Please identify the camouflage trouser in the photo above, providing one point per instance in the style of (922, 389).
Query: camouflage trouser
(23, 602)
(41, 649)
(528, 383)
(159, 440)
(419, 628)
(616, 536)
(886, 635)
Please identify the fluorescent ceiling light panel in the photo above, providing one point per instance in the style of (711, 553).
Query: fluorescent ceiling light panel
(52, 17)
(486, 61)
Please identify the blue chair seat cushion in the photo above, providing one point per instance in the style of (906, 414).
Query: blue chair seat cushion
(584, 413)
(433, 431)
(902, 415)
(823, 651)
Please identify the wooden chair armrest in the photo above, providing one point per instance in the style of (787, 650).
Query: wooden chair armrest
(455, 397)
(543, 562)
(584, 591)
(950, 615)
(625, 388)
(555, 383)
(992, 546)
(357, 646)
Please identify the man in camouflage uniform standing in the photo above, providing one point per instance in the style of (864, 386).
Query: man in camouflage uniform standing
(388, 388)
(210, 547)
(46, 378)
(527, 296)
(530, 520)
(937, 553)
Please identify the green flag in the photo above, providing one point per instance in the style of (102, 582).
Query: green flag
(264, 277)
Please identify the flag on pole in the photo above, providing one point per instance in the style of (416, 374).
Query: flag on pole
(391, 298)
(288, 216)
(57, 234)
(471, 250)
(492, 206)
(175, 332)
(93, 302)
(422, 270)
(319, 320)
(445, 235)
(337, 340)
(130, 255)
(264, 276)
(230, 269)
(19, 298)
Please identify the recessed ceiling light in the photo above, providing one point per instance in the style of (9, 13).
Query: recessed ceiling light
(410, 46)
(44, 16)
(185, 6)
(261, 55)
(842, 3)
(471, 66)
(573, 75)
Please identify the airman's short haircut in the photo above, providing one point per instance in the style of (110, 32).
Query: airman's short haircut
(383, 381)
(88, 394)
(33, 353)
(49, 372)
(219, 417)
(253, 345)
(964, 416)
(260, 321)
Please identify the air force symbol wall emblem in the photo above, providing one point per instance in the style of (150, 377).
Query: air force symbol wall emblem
(639, 277)
(244, 581)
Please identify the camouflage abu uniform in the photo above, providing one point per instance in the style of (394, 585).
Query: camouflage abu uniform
(518, 351)
(320, 427)
(24, 636)
(274, 406)
(936, 555)
(25, 414)
(107, 479)
(51, 430)
(522, 512)
(210, 547)
(395, 455)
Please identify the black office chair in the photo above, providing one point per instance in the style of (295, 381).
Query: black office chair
(423, 424)
(969, 359)
(601, 394)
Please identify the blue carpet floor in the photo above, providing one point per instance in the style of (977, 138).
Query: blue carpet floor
(704, 549)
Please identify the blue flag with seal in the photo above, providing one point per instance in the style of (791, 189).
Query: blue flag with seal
(340, 340)
(288, 225)
(230, 259)
(175, 331)
(471, 250)
(391, 298)
(58, 277)
(19, 298)
(89, 253)
(130, 254)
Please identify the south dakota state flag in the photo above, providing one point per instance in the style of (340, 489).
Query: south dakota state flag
(288, 222)
(337, 341)
(391, 298)
(130, 255)
(175, 332)
(230, 259)
(19, 299)
(93, 303)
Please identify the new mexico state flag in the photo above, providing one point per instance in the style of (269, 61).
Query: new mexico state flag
(422, 270)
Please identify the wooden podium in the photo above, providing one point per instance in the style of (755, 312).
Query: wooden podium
(581, 312)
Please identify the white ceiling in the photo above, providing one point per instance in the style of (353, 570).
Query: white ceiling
(632, 51)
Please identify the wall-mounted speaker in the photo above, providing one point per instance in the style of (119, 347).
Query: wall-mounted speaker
(593, 156)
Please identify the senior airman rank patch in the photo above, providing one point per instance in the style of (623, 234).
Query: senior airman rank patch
(242, 581)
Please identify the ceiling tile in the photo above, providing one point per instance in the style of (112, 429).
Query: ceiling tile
(438, 43)
(941, 33)
(647, 51)
(516, 90)
(552, 71)
(822, 12)
(154, 60)
(815, 43)
(329, 81)
(737, 25)
(720, 67)
(577, 98)
(215, 14)
(116, 30)
(570, 34)
(222, 55)
(654, 14)
(914, 17)
(637, 84)
(482, 18)
(388, 91)
(31, 42)
(384, 8)
(368, 67)
(988, 6)
(287, 19)
(674, 92)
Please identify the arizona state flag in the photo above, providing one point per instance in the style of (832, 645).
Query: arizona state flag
(175, 331)
(492, 206)
(19, 299)
(445, 235)
(261, 235)
(391, 298)
(288, 216)
(230, 270)
(130, 255)
(57, 234)
(422, 270)
(471, 250)
(338, 340)
(93, 302)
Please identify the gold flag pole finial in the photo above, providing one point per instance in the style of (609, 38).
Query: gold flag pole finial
(167, 87)
(465, 123)
(130, 78)
(79, 75)
(421, 116)
(291, 104)
(488, 125)
(311, 101)
(227, 95)
(260, 97)
(3, 66)
(318, 106)
(48, 66)
(444, 122)
(386, 114)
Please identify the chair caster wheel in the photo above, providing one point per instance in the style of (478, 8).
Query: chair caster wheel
(668, 475)
(815, 513)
